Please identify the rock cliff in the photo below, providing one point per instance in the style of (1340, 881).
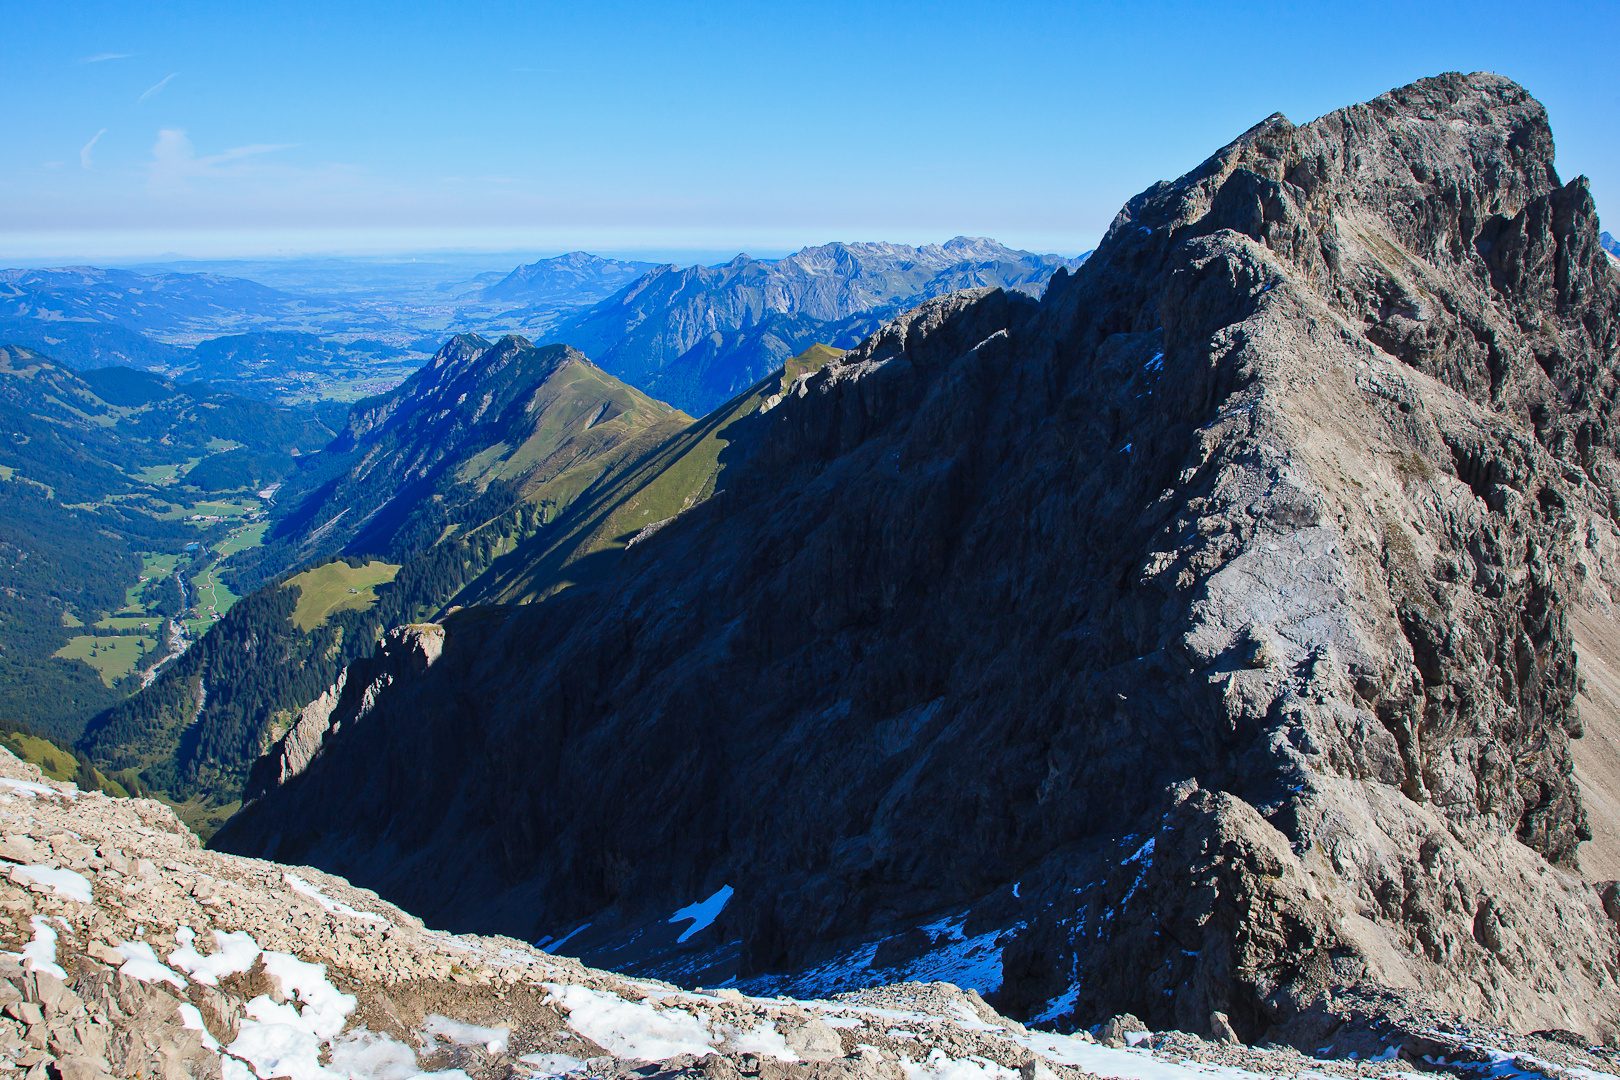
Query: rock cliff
(1196, 639)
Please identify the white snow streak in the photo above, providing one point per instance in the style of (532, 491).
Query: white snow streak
(140, 962)
(632, 1029)
(336, 907)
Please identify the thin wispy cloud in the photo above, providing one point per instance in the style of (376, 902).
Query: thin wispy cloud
(154, 89)
(84, 154)
(174, 162)
(99, 57)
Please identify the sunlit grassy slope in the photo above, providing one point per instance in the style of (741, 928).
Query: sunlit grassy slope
(670, 468)
(337, 586)
(55, 762)
(112, 657)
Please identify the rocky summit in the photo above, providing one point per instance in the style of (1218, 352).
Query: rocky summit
(1204, 637)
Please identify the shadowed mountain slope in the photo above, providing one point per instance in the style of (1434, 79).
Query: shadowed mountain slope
(1196, 638)
(463, 462)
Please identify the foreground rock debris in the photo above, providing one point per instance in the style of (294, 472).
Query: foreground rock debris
(132, 952)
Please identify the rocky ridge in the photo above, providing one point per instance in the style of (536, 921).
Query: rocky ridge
(1196, 639)
(137, 954)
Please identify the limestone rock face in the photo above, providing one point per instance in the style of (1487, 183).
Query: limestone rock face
(405, 651)
(1194, 640)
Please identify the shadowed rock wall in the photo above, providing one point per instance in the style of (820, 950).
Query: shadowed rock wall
(1201, 633)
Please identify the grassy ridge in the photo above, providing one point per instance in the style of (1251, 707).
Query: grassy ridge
(670, 468)
(60, 764)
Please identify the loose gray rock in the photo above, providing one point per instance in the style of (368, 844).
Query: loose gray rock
(1221, 1030)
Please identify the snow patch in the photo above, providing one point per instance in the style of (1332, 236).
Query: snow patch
(191, 1020)
(937, 1066)
(553, 1064)
(233, 954)
(30, 789)
(493, 1039)
(1061, 1005)
(140, 962)
(40, 953)
(632, 1029)
(365, 1055)
(956, 958)
(1132, 1064)
(763, 1040)
(68, 883)
(325, 1007)
(702, 913)
(274, 1049)
(282, 1040)
(560, 942)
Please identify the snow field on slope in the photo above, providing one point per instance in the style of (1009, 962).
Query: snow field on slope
(285, 1039)
(633, 1029)
(66, 883)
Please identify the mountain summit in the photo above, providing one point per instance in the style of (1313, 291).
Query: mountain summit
(1199, 638)
(575, 278)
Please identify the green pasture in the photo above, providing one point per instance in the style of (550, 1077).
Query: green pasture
(337, 586)
(112, 657)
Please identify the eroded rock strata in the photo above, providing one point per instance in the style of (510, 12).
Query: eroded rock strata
(1196, 639)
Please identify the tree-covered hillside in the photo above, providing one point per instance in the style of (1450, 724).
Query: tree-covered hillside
(102, 525)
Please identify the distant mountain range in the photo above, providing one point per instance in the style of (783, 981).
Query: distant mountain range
(174, 306)
(695, 336)
(572, 280)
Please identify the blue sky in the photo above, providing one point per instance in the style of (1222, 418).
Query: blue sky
(213, 130)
